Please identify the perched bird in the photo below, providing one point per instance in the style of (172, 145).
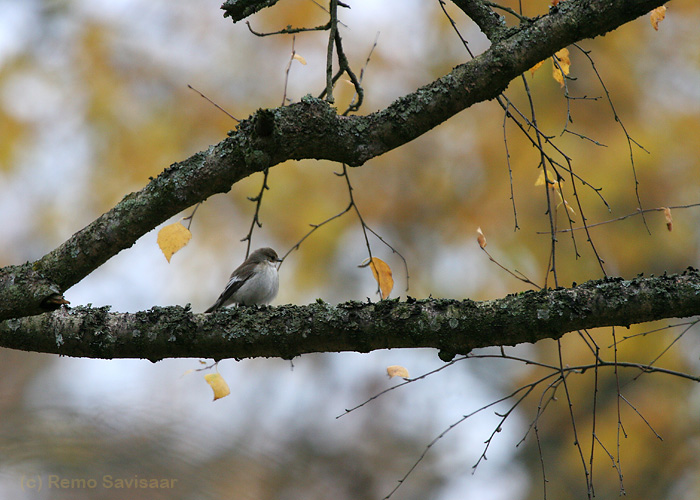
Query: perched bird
(254, 282)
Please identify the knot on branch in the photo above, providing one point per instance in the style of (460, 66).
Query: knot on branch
(26, 292)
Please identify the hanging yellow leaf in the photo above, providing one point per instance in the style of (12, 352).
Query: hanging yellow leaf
(218, 385)
(561, 69)
(396, 371)
(669, 219)
(382, 273)
(480, 238)
(569, 208)
(300, 59)
(172, 238)
(658, 15)
(550, 178)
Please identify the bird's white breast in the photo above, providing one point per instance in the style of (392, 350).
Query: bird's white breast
(261, 288)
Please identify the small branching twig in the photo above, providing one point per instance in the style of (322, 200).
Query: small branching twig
(630, 140)
(521, 18)
(256, 217)
(314, 227)
(623, 217)
(352, 205)
(356, 100)
(190, 217)
(409, 381)
(288, 30)
(507, 115)
(286, 71)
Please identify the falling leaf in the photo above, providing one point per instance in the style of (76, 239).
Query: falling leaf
(396, 371)
(382, 273)
(172, 238)
(669, 219)
(300, 59)
(658, 15)
(561, 69)
(218, 385)
(480, 238)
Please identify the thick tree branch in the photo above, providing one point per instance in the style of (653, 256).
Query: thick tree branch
(240, 9)
(453, 326)
(490, 23)
(308, 129)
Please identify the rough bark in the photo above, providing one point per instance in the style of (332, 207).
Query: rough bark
(452, 326)
(307, 129)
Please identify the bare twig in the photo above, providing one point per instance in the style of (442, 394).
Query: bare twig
(256, 217)
(216, 105)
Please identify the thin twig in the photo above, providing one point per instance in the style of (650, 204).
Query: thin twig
(286, 71)
(191, 216)
(216, 105)
(256, 217)
(623, 217)
(288, 30)
(630, 140)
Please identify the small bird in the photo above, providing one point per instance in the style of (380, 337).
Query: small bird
(254, 282)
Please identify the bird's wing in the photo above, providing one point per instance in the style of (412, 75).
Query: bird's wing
(233, 285)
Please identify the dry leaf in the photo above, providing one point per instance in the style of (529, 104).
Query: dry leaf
(569, 208)
(550, 178)
(536, 67)
(396, 371)
(669, 219)
(172, 238)
(658, 15)
(561, 70)
(382, 273)
(480, 238)
(300, 59)
(218, 385)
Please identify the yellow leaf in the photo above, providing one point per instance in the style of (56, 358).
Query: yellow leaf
(382, 273)
(396, 371)
(172, 238)
(658, 15)
(218, 384)
(550, 178)
(536, 67)
(480, 238)
(669, 219)
(562, 68)
(569, 208)
(300, 59)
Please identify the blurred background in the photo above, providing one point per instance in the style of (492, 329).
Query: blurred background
(94, 100)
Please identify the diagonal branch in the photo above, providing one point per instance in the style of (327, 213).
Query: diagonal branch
(308, 129)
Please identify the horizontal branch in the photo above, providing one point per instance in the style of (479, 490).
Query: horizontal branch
(308, 129)
(452, 326)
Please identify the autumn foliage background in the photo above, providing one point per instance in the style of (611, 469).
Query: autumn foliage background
(94, 100)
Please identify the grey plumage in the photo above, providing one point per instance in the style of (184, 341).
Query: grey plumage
(254, 282)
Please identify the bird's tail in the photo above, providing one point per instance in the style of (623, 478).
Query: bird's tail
(216, 305)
